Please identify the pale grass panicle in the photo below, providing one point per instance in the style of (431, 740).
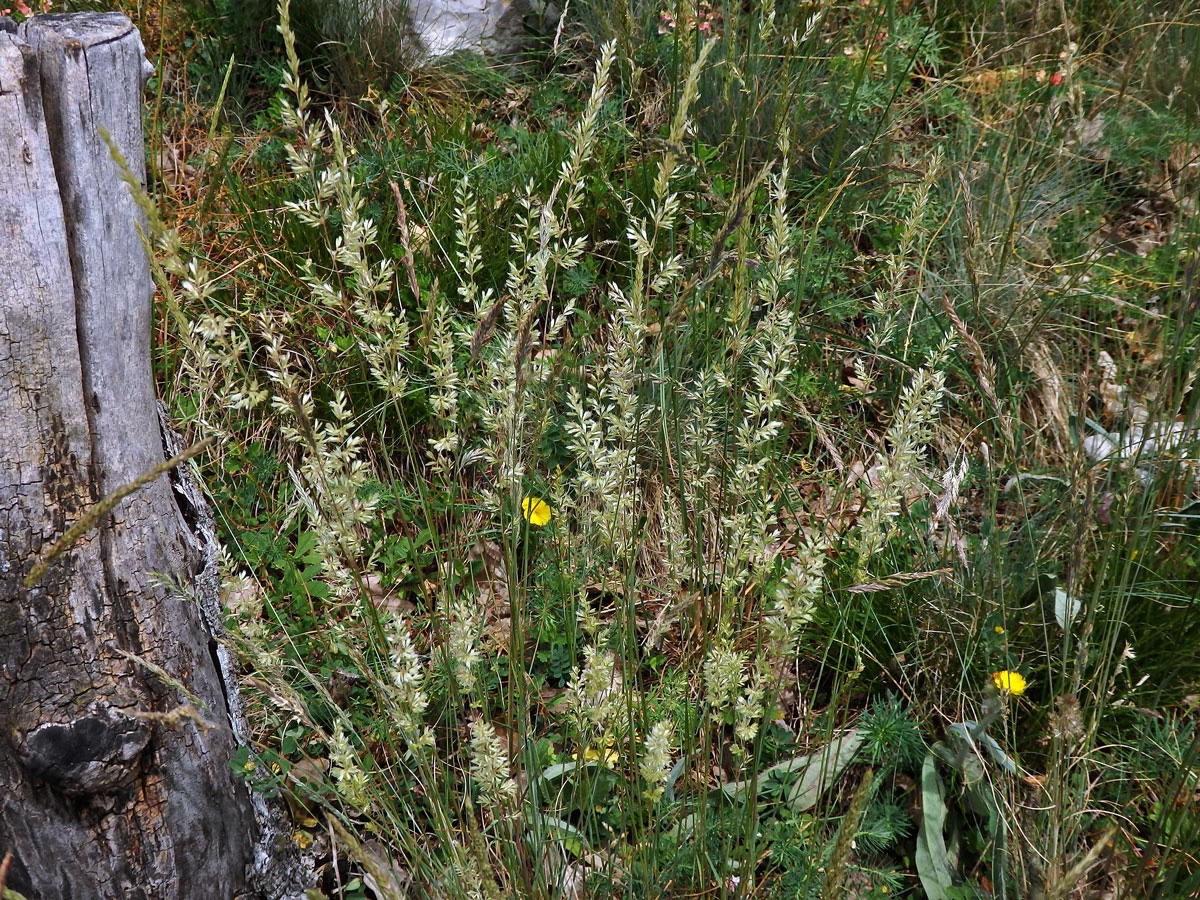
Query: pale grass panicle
(510, 375)
(242, 600)
(899, 464)
(655, 764)
(748, 523)
(608, 420)
(762, 355)
(596, 691)
(438, 342)
(490, 764)
(469, 255)
(463, 626)
(796, 601)
(351, 781)
(673, 557)
(749, 709)
(724, 672)
(904, 276)
(406, 690)
(699, 459)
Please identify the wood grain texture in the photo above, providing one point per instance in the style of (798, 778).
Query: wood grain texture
(97, 799)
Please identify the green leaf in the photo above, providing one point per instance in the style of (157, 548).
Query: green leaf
(673, 776)
(559, 770)
(824, 768)
(572, 839)
(933, 862)
(817, 772)
(1001, 758)
(306, 548)
(1066, 608)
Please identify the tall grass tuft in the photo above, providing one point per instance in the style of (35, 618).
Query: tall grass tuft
(612, 471)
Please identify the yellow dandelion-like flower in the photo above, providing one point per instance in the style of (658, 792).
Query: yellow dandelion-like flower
(1009, 682)
(536, 511)
(999, 629)
(606, 755)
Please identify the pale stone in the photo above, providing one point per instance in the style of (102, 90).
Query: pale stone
(442, 27)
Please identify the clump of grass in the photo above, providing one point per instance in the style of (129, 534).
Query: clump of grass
(593, 495)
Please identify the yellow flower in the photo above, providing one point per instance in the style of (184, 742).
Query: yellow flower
(607, 756)
(302, 839)
(536, 511)
(999, 629)
(1009, 682)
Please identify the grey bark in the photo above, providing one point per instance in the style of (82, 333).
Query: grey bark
(101, 794)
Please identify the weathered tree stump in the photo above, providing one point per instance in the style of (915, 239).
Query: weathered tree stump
(103, 792)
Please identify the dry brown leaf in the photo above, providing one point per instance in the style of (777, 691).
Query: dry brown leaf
(493, 586)
(386, 599)
(384, 876)
(500, 632)
(175, 172)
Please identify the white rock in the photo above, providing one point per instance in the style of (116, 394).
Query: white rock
(446, 26)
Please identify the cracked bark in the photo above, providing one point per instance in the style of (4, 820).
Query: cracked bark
(97, 800)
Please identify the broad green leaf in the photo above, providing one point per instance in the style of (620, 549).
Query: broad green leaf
(817, 772)
(672, 777)
(558, 770)
(933, 862)
(1001, 758)
(823, 769)
(1066, 608)
(572, 839)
